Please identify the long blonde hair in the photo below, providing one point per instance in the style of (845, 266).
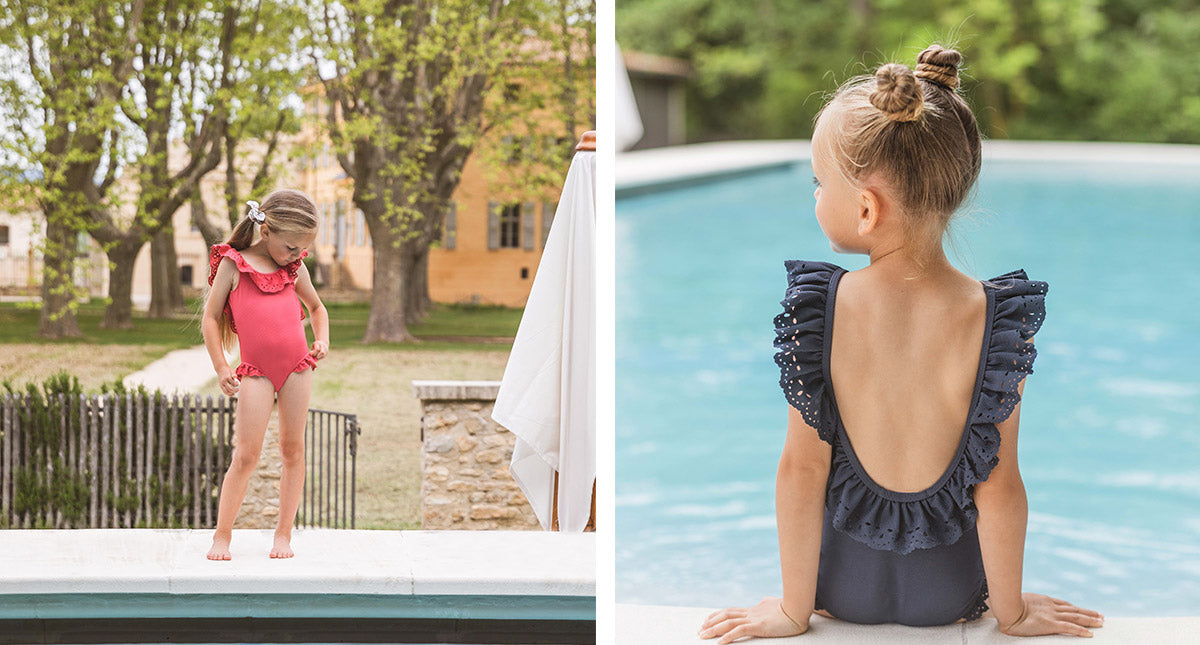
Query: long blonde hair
(286, 211)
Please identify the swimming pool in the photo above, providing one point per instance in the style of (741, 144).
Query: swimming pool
(1110, 425)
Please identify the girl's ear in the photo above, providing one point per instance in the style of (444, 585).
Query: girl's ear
(263, 231)
(869, 210)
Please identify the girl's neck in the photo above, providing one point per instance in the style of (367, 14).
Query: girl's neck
(909, 261)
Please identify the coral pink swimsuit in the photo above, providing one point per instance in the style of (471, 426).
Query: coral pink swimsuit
(271, 335)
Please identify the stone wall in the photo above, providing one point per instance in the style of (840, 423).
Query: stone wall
(465, 482)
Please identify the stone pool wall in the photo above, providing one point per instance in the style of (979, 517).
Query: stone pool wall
(465, 483)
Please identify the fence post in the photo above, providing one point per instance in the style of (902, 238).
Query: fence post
(129, 472)
(64, 428)
(6, 473)
(105, 453)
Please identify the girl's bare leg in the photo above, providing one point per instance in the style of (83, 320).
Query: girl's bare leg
(293, 412)
(255, 399)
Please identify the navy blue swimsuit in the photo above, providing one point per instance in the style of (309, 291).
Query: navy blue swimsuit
(889, 557)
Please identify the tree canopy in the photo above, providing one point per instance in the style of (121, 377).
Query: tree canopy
(1115, 70)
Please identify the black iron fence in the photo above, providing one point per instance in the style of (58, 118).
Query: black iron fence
(147, 460)
(331, 442)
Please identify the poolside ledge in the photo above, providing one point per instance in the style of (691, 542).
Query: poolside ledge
(657, 168)
(646, 624)
(448, 585)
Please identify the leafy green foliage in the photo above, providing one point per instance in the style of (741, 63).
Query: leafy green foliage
(1121, 70)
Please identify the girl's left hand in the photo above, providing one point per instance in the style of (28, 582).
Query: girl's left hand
(766, 619)
(320, 349)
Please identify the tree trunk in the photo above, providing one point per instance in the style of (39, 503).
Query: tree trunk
(208, 229)
(119, 312)
(58, 286)
(166, 293)
(418, 305)
(391, 265)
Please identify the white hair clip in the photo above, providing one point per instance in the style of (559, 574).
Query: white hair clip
(255, 214)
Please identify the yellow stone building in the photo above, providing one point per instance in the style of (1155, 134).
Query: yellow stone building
(489, 251)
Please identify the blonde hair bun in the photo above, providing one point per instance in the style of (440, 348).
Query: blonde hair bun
(897, 93)
(938, 65)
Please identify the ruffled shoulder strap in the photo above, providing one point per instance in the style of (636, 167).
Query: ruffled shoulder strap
(267, 282)
(1019, 312)
(800, 341)
(215, 254)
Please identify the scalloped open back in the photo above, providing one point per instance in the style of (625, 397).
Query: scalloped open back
(887, 556)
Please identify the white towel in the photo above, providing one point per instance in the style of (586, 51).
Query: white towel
(548, 395)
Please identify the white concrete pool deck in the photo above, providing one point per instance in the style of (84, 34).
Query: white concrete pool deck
(662, 625)
(646, 168)
(328, 561)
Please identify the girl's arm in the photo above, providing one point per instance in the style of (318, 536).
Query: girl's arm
(1003, 514)
(210, 324)
(316, 309)
(799, 510)
(800, 513)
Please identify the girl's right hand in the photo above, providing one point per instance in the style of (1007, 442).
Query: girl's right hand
(228, 381)
(766, 619)
(1045, 615)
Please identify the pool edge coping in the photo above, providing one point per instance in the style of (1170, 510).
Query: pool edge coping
(646, 171)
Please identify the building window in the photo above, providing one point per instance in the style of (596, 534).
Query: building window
(3, 235)
(362, 227)
(185, 275)
(510, 226)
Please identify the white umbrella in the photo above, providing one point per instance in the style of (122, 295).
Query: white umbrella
(547, 397)
(629, 128)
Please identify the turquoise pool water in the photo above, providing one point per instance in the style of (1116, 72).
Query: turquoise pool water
(1110, 427)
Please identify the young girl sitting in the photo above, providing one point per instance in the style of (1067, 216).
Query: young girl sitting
(254, 289)
(891, 373)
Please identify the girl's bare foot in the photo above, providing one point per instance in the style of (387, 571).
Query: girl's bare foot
(282, 547)
(220, 548)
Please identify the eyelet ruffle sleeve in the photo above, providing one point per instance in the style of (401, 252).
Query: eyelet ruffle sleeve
(273, 282)
(903, 522)
(800, 339)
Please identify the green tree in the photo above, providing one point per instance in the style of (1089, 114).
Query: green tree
(412, 89)
(260, 70)
(1039, 69)
(59, 96)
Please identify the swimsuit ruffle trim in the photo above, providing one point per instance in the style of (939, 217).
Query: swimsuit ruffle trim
(273, 282)
(266, 282)
(248, 369)
(942, 515)
(800, 339)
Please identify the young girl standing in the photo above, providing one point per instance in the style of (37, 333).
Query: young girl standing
(253, 295)
(928, 367)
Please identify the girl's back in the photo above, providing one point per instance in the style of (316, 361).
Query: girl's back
(904, 361)
(898, 497)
